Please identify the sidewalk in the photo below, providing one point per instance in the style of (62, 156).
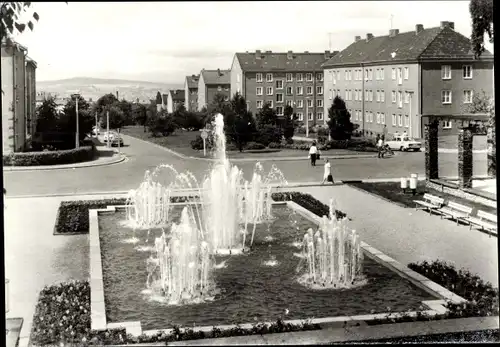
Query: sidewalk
(101, 160)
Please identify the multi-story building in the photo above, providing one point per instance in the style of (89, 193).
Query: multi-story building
(398, 79)
(281, 79)
(175, 99)
(13, 97)
(191, 92)
(212, 82)
(30, 86)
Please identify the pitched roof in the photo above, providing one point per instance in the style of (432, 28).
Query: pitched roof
(192, 81)
(280, 61)
(177, 94)
(216, 76)
(437, 42)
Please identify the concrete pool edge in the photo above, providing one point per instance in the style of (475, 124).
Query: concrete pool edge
(98, 312)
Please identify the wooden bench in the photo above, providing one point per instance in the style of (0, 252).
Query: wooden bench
(487, 221)
(455, 211)
(429, 202)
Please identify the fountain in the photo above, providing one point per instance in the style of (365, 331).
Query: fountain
(333, 255)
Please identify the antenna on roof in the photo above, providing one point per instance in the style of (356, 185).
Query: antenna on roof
(392, 17)
(330, 42)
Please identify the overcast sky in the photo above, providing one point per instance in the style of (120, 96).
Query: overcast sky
(165, 41)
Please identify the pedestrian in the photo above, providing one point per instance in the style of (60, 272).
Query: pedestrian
(385, 131)
(327, 175)
(380, 144)
(313, 151)
(405, 135)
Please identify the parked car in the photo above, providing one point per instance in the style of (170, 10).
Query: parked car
(96, 131)
(114, 138)
(404, 143)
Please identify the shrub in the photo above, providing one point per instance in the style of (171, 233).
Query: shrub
(289, 141)
(269, 133)
(198, 143)
(308, 202)
(323, 131)
(254, 146)
(230, 147)
(322, 139)
(274, 145)
(337, 144)
(69, 156)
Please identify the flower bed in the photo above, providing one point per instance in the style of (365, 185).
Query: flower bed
(308, 202)
(73, 216)
(62, 316)
(69, 156)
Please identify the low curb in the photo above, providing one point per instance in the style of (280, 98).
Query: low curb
(94, 163)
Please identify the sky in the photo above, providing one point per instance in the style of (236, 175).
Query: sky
(166, 41)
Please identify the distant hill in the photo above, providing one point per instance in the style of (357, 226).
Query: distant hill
(94, 88)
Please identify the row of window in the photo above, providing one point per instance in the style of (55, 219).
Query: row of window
(397, 120)
(289, 90)
(297, 104)
(446, 72)
(300, 116)
(299, 77)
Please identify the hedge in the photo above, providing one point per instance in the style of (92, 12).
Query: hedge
(73, 216)
(308, 202)
(62, 317)
(70, 156)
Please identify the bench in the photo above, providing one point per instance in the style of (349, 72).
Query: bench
(455, 211)
(429, 202)
(487, 221)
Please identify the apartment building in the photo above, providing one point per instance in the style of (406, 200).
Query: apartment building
(213, 82)
(175, 99)
(30, 90)
(281, 79)
(191, 92)
(398, 79)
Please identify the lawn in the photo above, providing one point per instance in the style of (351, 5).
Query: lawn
(392, 191)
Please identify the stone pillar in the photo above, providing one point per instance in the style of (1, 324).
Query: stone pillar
(431, 150)
(492, 169)
(465, 157)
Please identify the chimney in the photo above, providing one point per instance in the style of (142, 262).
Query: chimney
(306, 51)
(117, 95)
(393, 32)
(289, 55)
(218, 72)
(327, 54)
(418, 28)
(258, 54)
(357, 38)
(447, 24)
(369, 36)
(269, 52)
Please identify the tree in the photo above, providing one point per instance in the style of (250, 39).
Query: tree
(289, 122)
(105, 100)
(116, 117)
(126, 108)
(481, 103)
(10, 23)
(68, 118)
(161, 123)
(180, 117)
(481, 12)
(266, 116)
(340, 120)
(138, 113)
(47, 116)
(219, 104)
(239, 122)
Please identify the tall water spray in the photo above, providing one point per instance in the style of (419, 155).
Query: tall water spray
(333, 254)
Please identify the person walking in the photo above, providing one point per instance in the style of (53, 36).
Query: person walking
(385, 131)
(380, 144)
(313, 151)
(327, 175)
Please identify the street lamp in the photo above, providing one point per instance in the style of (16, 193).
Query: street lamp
(77, 138)
(410, 135)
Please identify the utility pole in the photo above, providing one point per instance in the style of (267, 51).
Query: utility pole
(330, 42)
(392, 17)
(96, 125)
(77, 135)
(108, 143)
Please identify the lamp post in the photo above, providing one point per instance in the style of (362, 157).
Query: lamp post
(410, 135)
(307, 119)
(77, 137)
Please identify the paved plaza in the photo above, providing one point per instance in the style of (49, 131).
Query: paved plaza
(35, 257)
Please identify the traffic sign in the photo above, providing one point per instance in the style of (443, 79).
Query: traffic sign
(204, 134)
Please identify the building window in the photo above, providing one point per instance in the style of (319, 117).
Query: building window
(382, 74)
(468, 96)
(467, 71)
(309, 90)
(270, 103)
(371, 95)
(346, 75)
(319, 102)
(219, 88)
(269, 90)
(350, 75)
(300, 103)
(309, 103)
(289, 103)
(319, 77)
(319, 116)
(299, 77)
(289, 77)
(447, 124)
(407, 98)
(331, 95)
(259, 91)
(259, 104)
(279, 84)
(279, 110)
(310, 115)
(367, 116)
(400, 120)
(259, 77)
(446, 72)
(407, 121)
(370, 74)
(393, 74)
(300, 115)
(400, 99)
(355, 95)
(300, 90)
(378, 117)
(346, 95)
(393, 119)
(382, 96)
(319, 90)
(269, 77)
(393, 94)
(407, 73)
(400, 76)
(377, 74)
(446, 96)
(279, 97)
(378, 94)
(382, 118)
(289, 90)
(309, 77)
